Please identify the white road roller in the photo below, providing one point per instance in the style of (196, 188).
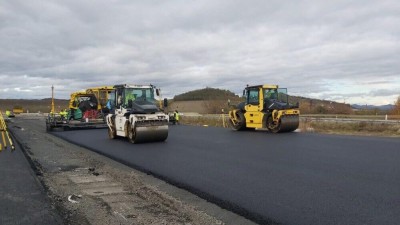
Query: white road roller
(134, 114)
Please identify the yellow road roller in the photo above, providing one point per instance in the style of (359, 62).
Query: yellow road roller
(266, 106)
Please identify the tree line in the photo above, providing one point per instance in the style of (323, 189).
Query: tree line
(396, 109)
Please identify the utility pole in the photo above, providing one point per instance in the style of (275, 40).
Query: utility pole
(52, 99)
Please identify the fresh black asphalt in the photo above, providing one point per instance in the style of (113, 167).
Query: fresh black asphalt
(290, 178)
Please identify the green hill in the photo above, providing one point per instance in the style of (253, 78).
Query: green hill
(206, 94)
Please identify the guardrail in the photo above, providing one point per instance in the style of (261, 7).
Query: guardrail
(345, 116)
(347, 120)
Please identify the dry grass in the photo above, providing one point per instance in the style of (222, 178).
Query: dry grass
(350, 116)
(216, 121)
(347, 128)
(351, 128)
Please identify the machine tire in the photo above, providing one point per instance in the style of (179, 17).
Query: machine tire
(241, 125)
(131, 134)
(48, 127)
(111, 134)
(272, 127)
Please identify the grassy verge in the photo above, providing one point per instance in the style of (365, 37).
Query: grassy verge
(216, 121)
(354, 128)
(361, 128)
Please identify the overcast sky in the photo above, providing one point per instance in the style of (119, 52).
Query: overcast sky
(333, 50)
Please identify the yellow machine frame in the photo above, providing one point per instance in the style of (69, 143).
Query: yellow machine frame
(256, 115)
(101, 93)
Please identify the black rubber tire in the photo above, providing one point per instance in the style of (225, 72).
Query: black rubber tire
(131, 134)
(274, 128)
(112, 134)
(241, 125)
(48, 127)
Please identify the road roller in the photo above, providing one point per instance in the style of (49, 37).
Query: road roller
(134, 114)
(266, 106)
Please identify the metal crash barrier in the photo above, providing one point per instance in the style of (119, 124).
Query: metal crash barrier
(5, 136)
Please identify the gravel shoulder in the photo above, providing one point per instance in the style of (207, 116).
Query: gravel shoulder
(88, 188)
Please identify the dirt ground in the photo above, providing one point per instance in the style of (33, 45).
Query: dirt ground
(87, 188)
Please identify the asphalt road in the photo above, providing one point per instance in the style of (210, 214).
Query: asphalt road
(23, 199)
(291, 178)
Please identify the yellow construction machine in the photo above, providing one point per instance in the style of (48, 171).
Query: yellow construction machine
(135, 114)
(90, 103)
(4, 134)
(266, 106)
(86, 109)
(102, 95)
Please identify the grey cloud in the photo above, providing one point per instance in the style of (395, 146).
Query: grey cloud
(384, 93)
(179, 45)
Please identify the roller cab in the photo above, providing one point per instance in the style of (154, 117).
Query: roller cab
(266, 106)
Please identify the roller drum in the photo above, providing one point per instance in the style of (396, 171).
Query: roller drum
(151, 133)
(288, 124)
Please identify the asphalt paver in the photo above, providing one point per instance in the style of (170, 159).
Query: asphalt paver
(289, 178)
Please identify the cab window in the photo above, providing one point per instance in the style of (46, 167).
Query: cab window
(252, 96)
(270, 94)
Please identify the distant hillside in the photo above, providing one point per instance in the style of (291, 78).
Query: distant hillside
(212, 100)
(33, 105)
(317, 106)
(372, 107)
(206, 94)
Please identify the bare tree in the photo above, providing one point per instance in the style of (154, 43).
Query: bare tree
(396, 109)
